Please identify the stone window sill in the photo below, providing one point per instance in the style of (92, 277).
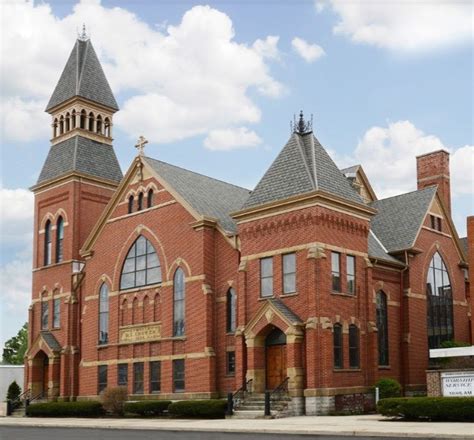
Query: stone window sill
(347, 370)
(385, 367)
(286, 295)
(346, 295)
(263, 298)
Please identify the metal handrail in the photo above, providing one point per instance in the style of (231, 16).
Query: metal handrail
(239, 396)
(280, 390)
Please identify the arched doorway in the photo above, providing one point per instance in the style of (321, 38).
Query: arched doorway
(40, 379)
(275, 358)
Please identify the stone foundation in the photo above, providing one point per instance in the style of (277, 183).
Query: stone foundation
(319, 405)
(296, 407)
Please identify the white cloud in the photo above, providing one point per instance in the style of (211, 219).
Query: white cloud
(16, 217)
(309, 52)
(404, 25)
(15, 279)
(231, 139)
(388, 156)
(189, 79)
(268, 48)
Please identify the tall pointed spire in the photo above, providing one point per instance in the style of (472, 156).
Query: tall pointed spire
(83, 77)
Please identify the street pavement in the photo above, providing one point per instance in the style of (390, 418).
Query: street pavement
(362, 426)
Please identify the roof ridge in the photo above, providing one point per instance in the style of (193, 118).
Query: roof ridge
(195, 172)
(409, 192)
(305, 161)
(79, 80)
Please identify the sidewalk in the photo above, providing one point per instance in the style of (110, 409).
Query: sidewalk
(366, 425)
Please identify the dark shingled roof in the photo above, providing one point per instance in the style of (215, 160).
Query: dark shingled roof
(302, 166)
(209, 197)
(286, 311)
(83, 155)
(377, 250)
(399, 218)
(83, 76)
(52, 342)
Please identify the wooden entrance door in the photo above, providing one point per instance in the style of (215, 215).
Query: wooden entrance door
(275, 365)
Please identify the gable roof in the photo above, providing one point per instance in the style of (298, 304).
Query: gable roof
(357, 171)
(399, 218)
(82, 155)
(207, 196)
(302, 166)
(83, 76)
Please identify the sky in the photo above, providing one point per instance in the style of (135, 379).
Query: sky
(213, 87)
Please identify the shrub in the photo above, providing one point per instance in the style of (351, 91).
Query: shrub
(147, 408)
(205, 409)
(65, 409)
(14, 391)
(113, 400)
(388, 388)
(452, 409)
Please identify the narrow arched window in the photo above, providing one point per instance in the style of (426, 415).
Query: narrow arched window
(83, 119)
(91, 121)
(135, 311)
(55, 128)
(354, 356)
(99, 124)
(47, 243)
(44, 312)
(124, 312)
(231, 310)
(440, 303)
(140, 202)
(59, 239)
(61, 125)
(103, 314)
(156, 308)
(382, 328)
(338, 346)
(178, 303)
(130, 204)
(150, 198)
(107, 127)
(142, 265)
(68, 121)
(73, 119)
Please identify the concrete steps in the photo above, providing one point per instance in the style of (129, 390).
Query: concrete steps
(253, 407)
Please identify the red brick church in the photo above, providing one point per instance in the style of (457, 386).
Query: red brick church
(177, 285)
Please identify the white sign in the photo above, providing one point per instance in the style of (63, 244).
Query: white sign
(458, 384)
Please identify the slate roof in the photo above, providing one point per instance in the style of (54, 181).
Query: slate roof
(83, 155)
(350, 170)
(209, 197)
(52, 342)
(83, 76)
(302, 166)
(378, 251)
(399, 218)
(286, 311)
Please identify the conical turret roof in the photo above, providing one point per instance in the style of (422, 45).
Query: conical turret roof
(83, 76)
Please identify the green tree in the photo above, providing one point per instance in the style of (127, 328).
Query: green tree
(15, 348)
(14, 391)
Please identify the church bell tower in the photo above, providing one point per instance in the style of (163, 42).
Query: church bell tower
(78, 178)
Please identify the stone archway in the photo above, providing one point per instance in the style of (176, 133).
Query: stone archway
(275, 359)
(40, 374)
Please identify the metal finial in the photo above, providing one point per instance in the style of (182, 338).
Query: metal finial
(83, 35)
(302, 126)
(140, 146)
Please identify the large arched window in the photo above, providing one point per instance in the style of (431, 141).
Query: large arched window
(231, 310)
(47, 243)
(382, 328)
(440, 303)
(142, 265)
(103, 314)
(59, 239)
(178, 302)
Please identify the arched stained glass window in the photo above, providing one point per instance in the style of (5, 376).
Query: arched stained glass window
(382, 328)
(59, 239)
(338, 346)
(103, 314)
(47, 243)
(142, 265)
(178, 303)
(231, 310)
(440, 303)
(354, 355)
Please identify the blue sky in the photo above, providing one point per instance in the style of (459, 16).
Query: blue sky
(213, 88)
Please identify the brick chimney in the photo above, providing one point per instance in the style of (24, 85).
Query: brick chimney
(433, 169)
